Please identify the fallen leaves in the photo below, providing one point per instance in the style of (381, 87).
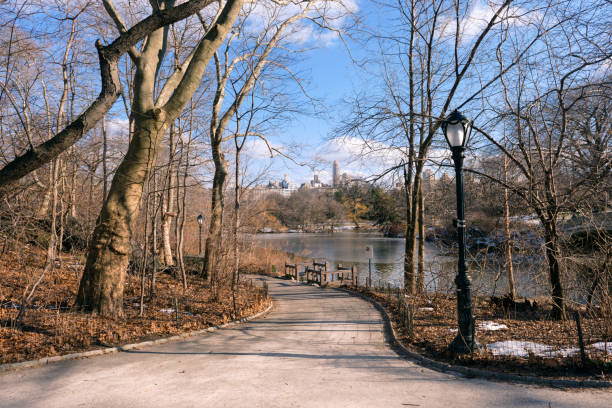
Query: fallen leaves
(51, 328)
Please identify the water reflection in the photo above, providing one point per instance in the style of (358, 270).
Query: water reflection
(488, 273)
(350, 248)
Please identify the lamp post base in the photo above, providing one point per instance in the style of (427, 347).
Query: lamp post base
(461, 345)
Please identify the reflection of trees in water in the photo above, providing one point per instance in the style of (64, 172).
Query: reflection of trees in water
(385, 269)
(305, 253)
(439, 274)
(489, 274)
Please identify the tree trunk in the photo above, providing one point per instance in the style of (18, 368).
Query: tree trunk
(408, 254)
(101, 287)
(143, 266)
(411, 186)
(213, 241)
(235, 224)
(167, 215)
(410, 283)
(168, 202)
(44, 206)
(104, 159)
(509, 266)
(553, 255)
(73, 180)
(181, 205)
(156, 206)
(421, 249)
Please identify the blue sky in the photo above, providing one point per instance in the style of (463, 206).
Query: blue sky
(332, 77)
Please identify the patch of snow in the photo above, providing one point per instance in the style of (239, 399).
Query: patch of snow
(169, 311)
(454, 330)
(136, 304)
(518, 348)
(426, 309)
(522, 348)
(604, 346)
(491, 326)
(564, 352)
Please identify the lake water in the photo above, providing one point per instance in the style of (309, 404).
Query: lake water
(349, 248)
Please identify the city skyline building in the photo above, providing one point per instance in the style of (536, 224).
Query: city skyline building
(336, 174)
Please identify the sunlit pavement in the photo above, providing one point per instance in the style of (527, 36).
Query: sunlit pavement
(317, 348)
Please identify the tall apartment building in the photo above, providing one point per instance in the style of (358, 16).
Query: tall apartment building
(336, 174)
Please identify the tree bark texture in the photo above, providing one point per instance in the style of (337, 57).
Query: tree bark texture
(508, 246)
(101, 288)
(213, 240)
(410, 281)
(420, 283)
(110, 90)
(218, 124)
(553, 257)
(168, 202)
(102, 284)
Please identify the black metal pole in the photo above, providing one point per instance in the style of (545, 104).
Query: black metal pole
(465, 341)
(200, 251)
(369, 272)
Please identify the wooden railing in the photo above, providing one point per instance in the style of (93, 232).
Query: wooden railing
(319, 272)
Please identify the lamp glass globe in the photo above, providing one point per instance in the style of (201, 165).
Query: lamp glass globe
(455, 134)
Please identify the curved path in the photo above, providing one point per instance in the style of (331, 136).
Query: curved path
(317, 348)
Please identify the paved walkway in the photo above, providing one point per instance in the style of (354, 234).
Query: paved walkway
(318, 348)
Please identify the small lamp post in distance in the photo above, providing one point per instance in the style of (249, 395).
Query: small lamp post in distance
(200, 222)
(457, 129)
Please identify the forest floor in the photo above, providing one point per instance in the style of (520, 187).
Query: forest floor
(520, 340)
(51, 326)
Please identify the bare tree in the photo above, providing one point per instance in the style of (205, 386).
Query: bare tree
(101, 287)
(247, 66)
(541, 107)
(37, 156)
(437, 50)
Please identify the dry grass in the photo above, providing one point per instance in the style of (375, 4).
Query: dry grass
(51, 328)
(435, 322)
(266, 261)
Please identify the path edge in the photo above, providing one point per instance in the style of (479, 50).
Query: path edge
(469, 372)
(126, 347)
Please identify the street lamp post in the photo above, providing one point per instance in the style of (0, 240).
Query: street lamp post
(457, 128)
(200, 222)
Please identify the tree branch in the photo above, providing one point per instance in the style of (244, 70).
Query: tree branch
(109, 56)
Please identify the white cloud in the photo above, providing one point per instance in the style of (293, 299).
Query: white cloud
(479, 15)
(358, 157)
(334, 12)
(325, 176)
(117, 128)
(257, 149)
